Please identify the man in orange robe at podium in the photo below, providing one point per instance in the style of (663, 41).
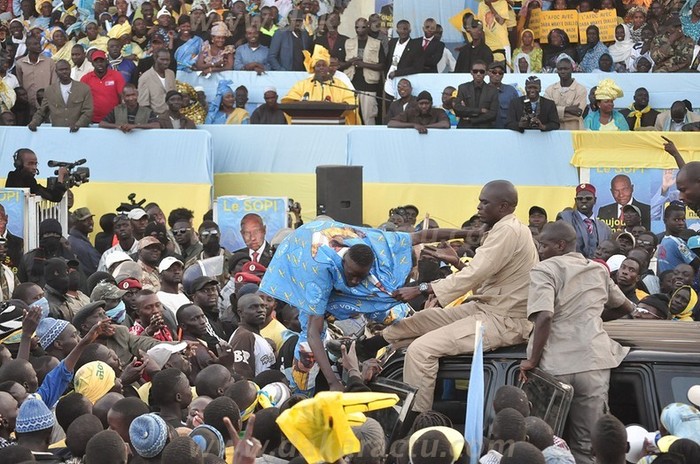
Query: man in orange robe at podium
(317, 88)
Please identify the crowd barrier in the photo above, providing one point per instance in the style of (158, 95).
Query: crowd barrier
(441, 172)
(663, 88)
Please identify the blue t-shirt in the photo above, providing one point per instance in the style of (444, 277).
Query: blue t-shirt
(672, 252)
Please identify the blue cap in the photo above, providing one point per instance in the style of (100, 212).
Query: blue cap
(33, 416)
(148, 434)
(49, 330)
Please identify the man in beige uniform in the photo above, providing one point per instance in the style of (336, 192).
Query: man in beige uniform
(569, 298)
(498, 277)
(569, 96)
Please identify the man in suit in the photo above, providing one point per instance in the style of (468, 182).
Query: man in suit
(14, 245)
(253, 232)
(474, 50)
(332, 40)
(675, 118)
(151, 90)
(477, 102)
(67, 103)
(433, 48)
(590, 232)
(288, 44)
(173, 119)
(532, 111)
(622, 191)
(405, 56)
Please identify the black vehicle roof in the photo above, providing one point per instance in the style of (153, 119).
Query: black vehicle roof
(649, 340)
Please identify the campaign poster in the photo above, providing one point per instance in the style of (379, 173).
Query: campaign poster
(648, 189)
(385, 10)
(229, 210)
(12, 201)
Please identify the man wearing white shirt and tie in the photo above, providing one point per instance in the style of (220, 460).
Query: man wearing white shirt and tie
(253, 232)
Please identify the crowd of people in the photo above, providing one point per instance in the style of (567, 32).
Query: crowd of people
(114, 65)
(132, 346)
(124, 349)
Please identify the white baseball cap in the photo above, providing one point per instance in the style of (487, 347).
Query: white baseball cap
(167, 262)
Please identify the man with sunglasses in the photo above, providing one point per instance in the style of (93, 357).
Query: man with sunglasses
(506, 92)
(590, 231)
(184, 236)
(477, 102)
(210, 236)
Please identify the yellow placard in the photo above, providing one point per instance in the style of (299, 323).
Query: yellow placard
(606, 20)
(456, 20)
(534, 23)
(566, 20)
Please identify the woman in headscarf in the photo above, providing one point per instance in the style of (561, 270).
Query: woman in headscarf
(680, 420)
(557, 43)
(44, 8)
(191, 108)
(589, 54)
(215, 55)
(690, 19)
(222, 109)
(60, 45)
(522, 63)
(636, 19)
(189, 46)
(643, 64)
(682, 303)
(19, 36)
(606, 118)
(622, 51)
(526, 11)
(92, 38)
(531, 48)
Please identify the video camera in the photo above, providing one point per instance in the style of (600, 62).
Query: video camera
(74, 178)
(125, 207)
(531, 115)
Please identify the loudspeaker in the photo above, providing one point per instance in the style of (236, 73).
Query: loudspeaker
(339, 193)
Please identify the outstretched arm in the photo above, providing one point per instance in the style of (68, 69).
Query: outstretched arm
(438, 235)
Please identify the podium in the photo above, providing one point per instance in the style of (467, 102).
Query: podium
(317, 112)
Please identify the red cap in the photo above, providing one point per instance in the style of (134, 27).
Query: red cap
(246, 278)
(98, 54)
(586, 187)
(129, 283)
(254, 268)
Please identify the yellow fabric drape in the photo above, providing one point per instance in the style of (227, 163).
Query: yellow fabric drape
(643, 149)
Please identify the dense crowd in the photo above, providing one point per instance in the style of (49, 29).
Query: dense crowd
(76, 64)
(154, 343)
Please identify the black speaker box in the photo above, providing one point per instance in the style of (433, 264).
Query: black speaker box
(339, 193)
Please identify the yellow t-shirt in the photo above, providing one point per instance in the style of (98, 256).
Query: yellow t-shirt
(274, 331)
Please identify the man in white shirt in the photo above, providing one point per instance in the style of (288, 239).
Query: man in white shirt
(81, 66)
(170, 294)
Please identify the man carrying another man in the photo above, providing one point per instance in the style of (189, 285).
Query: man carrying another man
(498, 275)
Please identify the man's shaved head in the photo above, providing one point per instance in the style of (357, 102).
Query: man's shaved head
(557, 231)
(503, 191)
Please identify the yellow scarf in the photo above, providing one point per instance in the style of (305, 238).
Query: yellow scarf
(635, 113)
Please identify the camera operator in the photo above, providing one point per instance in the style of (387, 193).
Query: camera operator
(532, 112)
(26, 168)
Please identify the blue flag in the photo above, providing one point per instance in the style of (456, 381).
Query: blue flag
(474, 422)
